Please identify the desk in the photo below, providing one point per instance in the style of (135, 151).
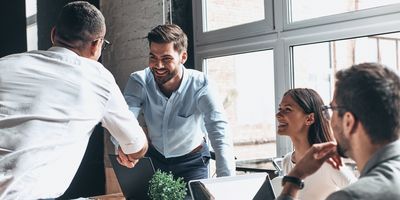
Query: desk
(257, 165)
(116, 196)
(120, 196)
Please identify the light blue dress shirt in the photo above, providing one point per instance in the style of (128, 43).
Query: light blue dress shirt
(175, 125)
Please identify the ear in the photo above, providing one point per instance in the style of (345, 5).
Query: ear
(349, 124)
(53, 35)
(94, 47)
(184, 57)
(310, 119)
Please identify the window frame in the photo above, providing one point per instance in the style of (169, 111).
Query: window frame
(284, 36)
(235, 32)
(335, 18)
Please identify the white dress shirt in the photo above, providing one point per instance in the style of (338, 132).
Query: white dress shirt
(50, 102)
(323, 182)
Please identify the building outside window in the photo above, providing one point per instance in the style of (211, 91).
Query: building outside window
(256, 50)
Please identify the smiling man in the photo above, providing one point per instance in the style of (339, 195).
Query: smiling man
(177, 103)
(365, 118)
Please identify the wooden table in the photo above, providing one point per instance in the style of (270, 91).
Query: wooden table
(116, 196)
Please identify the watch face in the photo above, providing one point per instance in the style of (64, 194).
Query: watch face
(294, 180)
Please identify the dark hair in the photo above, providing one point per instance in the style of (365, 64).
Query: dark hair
(80, 21)
(310, 101)
(371, 92)
(169, 33)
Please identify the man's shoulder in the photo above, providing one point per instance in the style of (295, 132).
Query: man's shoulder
(18, 56)
(141, 75)
(196, 77)
(371, 186)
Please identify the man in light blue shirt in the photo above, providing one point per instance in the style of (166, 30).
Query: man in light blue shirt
(176, 104)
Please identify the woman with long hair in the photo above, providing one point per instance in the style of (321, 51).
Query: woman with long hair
(300, 117)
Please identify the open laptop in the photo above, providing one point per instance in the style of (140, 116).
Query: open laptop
(254, 186)
(134, 182)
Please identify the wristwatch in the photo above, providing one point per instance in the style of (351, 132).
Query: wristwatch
(294, 180)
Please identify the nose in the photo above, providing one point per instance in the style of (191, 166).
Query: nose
(158, 64)
(278, 115)
(155, 63)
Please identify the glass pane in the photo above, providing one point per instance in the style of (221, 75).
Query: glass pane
(226, 13)
(316, 64)
(247, 89)
(31, 25)
(308, 9)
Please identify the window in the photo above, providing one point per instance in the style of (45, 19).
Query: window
(245, 83)
(31, 25)
(297, 44)
(308, 9)
(317, 72)
(222, 20)
(220, 14)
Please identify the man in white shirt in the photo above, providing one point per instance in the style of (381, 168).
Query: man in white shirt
(50, 102)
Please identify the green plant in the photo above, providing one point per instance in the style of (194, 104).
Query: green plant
(163, 186)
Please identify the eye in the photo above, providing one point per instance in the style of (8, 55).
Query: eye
(167, 60)
(287, 110)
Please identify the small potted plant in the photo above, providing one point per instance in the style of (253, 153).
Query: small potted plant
(163, 186)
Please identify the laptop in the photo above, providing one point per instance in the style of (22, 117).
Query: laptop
(134, 182)
(256, 186)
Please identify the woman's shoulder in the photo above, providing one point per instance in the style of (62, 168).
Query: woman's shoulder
(341, 177)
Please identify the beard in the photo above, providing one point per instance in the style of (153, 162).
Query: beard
(160, 80)
(342, 143)
(342, 151)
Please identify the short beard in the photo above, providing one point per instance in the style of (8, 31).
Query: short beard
(161, 81)
(341, 151)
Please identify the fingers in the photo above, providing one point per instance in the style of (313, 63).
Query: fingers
(323, 151)
(327, 152)
(124, 160)
(335, 161)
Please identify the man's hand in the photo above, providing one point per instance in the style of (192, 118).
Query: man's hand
(130, 160)
(311, 162)
(314, 158)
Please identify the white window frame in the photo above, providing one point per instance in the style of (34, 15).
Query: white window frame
(283, 36)
(244, 30)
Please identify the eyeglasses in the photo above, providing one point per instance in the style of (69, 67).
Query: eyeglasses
(106, 43)
(327, 111)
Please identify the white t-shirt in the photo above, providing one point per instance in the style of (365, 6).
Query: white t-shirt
(50, 102)
(323, 182)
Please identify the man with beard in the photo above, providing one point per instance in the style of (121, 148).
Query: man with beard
(364, 114)
(177, 103)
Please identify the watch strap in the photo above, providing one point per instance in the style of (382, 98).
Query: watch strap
(294, 180)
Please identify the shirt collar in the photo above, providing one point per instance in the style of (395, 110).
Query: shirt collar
(62, 50)
(184, 79)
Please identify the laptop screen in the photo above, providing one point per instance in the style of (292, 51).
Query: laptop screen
(134, 182)
(249, 186)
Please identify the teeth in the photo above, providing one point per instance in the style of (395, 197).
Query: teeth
(282, 124)
(160, 72)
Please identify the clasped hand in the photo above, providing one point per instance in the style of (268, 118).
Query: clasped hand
(127, 160)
